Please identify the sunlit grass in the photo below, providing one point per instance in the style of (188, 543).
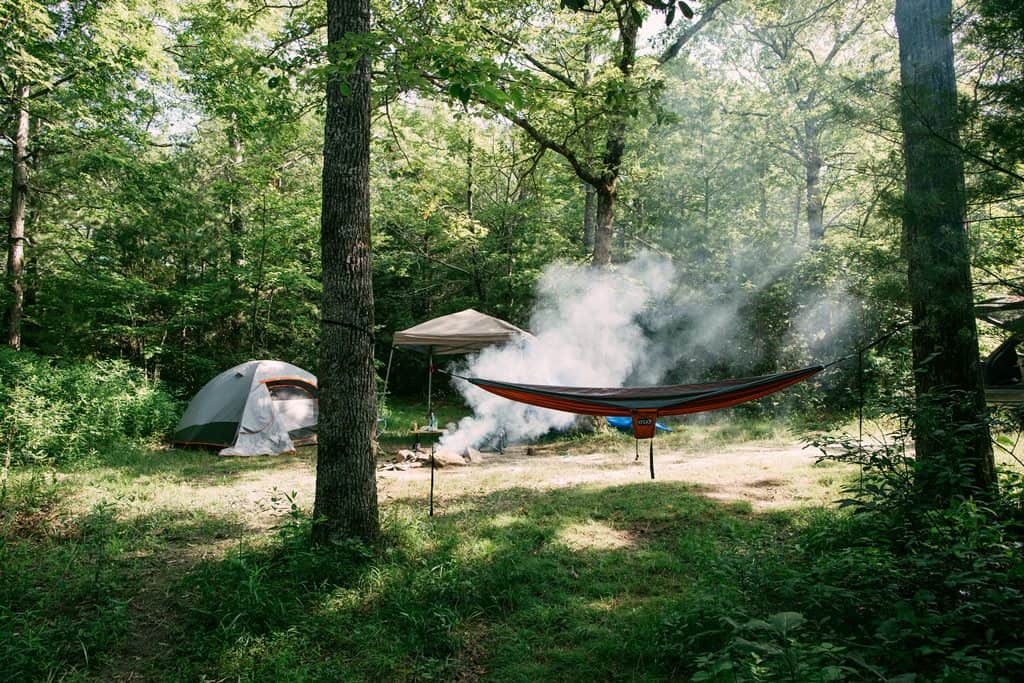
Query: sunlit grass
(568, 564)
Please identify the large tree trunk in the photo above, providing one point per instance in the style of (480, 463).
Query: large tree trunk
(16, 222)
(346, 487)
(812, 178)
(951, 435)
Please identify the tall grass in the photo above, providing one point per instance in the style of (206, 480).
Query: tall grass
(63, 414)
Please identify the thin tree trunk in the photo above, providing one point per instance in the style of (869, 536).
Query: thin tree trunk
(950, 432)
(16, 222)
(603, 229)
(589, 193)
(797, 202)
(469, 173)
(614, 148)
(346, 487)
(236, 221)
(812, 178)
(589, 216)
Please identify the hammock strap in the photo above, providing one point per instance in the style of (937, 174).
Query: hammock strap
(636, 444)
(652, 458)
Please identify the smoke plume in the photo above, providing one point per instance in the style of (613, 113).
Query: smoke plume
(636, 324)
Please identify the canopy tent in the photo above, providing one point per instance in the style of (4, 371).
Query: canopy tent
(463, 332)
(262, 407)
(457, 333)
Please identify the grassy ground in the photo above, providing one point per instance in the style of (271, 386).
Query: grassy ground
(562, 563)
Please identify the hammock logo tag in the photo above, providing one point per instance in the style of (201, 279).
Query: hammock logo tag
(645, 421)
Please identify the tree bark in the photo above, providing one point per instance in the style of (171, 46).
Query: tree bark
(589, 217)
(236, 222)
(589, 193)
(812, 178)
(614, 145)
(346, 487)
(603, 229)
(16, 222)
(954, 452)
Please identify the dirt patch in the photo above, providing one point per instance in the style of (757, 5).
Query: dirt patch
(767, 476)
(593, 535)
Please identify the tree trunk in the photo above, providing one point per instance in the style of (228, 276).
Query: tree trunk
(236, 222)
(589, 193)
(469, 173)
(589, 217)
(16, 221)
(950, 433)
(797, 201)
(603, 230)
(614, 148)
(346, 487)
(812, 178)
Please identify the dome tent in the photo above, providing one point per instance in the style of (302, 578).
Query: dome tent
(262, 407)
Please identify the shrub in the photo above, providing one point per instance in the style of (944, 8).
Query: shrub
(65, 413)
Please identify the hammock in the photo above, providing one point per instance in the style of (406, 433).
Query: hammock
(645, 404)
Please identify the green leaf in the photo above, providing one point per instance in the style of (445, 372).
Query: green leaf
(784, 622)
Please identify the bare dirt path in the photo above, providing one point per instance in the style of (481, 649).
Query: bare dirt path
(767, 475)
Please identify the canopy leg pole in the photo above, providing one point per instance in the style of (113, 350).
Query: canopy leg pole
(431, 478)
(387, 373)
(430, 383)
(860, 400)
(652, 458)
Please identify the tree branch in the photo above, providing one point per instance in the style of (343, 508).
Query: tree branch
(689, 32)
(510, 42)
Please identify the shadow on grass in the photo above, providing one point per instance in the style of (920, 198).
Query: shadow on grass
(200, 465)
(566, 584)
(74, 602)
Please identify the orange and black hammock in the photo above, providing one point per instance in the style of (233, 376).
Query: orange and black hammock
(646, 404)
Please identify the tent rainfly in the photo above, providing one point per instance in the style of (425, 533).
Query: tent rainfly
(458, 333)
(262, 407)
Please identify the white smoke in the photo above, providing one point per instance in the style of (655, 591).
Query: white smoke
(636, 323)
(587, 332)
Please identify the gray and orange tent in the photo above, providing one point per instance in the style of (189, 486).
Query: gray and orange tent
(262, 407)
(646, 404)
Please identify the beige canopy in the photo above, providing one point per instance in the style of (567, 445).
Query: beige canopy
(463, 332)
